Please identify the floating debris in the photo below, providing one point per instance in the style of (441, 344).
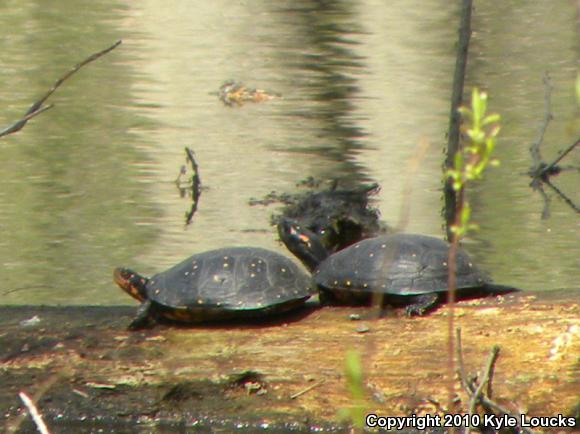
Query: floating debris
(35, 320)
(235, 93)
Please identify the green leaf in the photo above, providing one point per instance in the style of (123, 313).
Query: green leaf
(355, 383)
(479, 106)
(491, 119)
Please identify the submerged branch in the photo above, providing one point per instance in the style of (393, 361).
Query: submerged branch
(535, 147)
(540, 172)
(195, 185)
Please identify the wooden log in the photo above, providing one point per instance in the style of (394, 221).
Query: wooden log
(81, 364)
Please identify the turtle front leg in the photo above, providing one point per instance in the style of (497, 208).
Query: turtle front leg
(144, 317)
(423, 304)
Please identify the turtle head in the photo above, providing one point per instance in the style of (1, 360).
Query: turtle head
(131, 282)
(304, 244)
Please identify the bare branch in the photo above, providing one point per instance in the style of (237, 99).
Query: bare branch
(36, 417)
(540, 172)
(535, 148)
(195, 185)
(37, 108)
(477, 393)
(552, 165)
(474, 389)
(562, 196)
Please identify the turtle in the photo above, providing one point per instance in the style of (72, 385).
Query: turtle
(407, 269)
(227, 283)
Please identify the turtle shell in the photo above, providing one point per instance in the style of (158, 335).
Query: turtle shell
(229, 282)
(401, 264)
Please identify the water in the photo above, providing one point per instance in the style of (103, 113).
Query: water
(88, 185)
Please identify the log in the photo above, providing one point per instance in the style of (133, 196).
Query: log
(81, 366)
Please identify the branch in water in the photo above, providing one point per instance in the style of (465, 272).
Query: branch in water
(37, 107)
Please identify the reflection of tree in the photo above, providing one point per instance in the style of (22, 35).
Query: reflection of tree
(541, 171)
(327, 72)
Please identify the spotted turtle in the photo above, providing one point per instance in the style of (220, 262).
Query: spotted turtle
(405, 269)
(227, 283)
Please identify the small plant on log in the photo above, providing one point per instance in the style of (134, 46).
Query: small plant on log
(469, 163)
(355, 383)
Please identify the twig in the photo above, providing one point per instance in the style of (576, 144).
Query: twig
(535, 147)
(26, 288)
(308, 389)
(490, 371)
(477, 392)
(460, 365)
(540, 172)
(36, 417)
(539, 186)
(552, 165)
(42, 388)
(563, 196)
(195, 185)
(36, 108)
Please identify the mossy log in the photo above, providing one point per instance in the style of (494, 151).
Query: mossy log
(80, 364)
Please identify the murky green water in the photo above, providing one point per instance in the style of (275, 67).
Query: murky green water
(89, 186)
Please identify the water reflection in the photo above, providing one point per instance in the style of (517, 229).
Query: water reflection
(327, 69)
(89, 185)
